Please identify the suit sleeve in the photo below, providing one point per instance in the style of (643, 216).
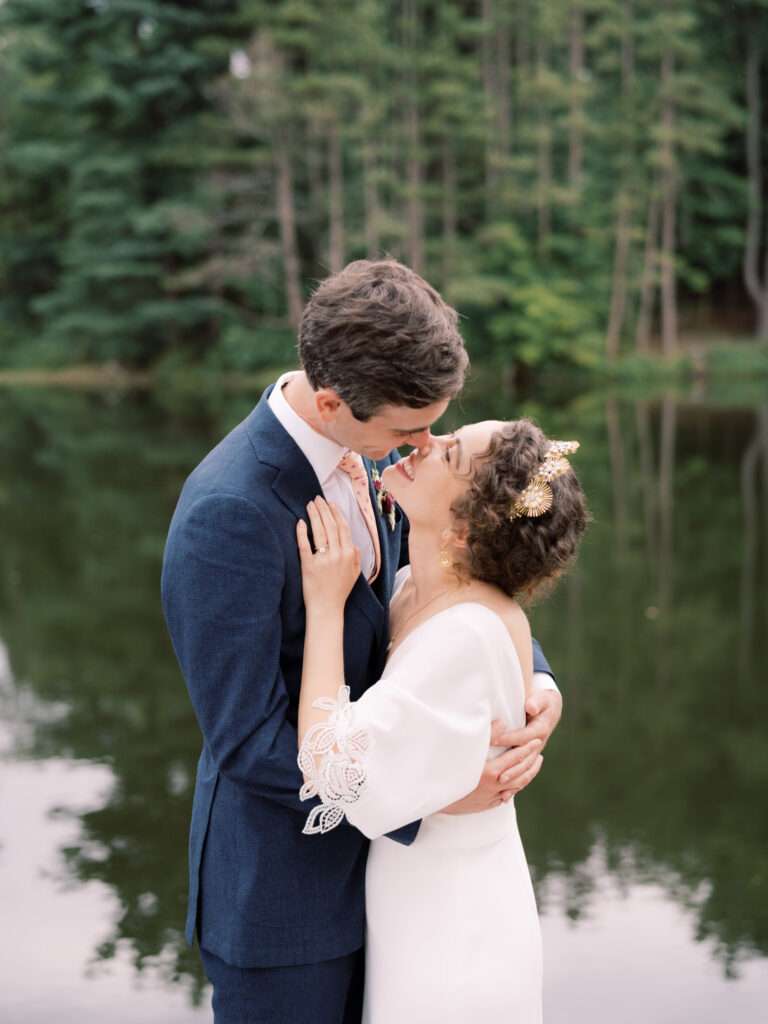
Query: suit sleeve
(541, 667)
(222, 583)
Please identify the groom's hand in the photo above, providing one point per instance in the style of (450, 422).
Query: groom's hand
(543, 711)
(517, 767)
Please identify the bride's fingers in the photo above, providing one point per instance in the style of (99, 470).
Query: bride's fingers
(319, 535)
(511, 759)
(302, 538)
(345, 534)
(512, 775)
(329, 523)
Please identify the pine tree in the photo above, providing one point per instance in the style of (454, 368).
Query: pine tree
(125, 84)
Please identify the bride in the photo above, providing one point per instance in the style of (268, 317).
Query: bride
(495, 511)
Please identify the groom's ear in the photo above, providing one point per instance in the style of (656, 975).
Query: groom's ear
(327, 403)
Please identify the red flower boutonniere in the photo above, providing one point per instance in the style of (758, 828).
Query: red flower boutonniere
(384, 500)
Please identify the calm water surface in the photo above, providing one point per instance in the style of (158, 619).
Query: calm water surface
(647, 831)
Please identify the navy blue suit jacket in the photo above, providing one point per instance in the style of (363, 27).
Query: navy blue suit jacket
(261, 893)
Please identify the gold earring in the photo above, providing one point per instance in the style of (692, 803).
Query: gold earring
(445, 558)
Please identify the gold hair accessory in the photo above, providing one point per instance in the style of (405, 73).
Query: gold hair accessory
(537, 497)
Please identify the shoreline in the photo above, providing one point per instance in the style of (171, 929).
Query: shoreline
(696, 362)
(112, 377)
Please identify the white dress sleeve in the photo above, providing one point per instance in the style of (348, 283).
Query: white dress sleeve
(416, 741)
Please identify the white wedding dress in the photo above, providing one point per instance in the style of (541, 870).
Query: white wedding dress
(452, 928)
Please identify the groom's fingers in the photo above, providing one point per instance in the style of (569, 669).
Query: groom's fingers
(499, 731)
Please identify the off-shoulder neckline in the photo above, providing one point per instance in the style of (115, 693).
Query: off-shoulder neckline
(406, 569)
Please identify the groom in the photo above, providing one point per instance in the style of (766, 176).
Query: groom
(280, 917)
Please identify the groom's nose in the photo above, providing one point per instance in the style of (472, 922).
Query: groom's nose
(422, 441)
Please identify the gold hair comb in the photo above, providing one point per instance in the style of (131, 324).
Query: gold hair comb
(537, 497)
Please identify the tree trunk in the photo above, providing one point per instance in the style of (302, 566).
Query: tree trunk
(415, 206)
(371, 193)
(503, 86)
(757, 289)
(648, 278)
(522, 58)
(488, 66)
(315, 154)
(667, 256)
(576, 116)
(623, 229)
(619, 283)
(543, 165)
(449, 210)
(286, 216)
(335, 199)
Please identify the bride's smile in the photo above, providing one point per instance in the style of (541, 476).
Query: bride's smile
(428, 481)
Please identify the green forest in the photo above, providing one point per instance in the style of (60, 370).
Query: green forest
(586, 180)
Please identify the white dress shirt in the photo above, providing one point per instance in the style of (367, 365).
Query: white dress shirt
(324, 456)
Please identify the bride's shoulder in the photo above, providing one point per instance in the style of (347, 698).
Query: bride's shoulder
(506, 612)
(501, 604)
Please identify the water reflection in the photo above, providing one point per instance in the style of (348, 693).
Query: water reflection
(659, 639)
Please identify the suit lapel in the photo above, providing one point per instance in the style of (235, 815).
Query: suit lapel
(295, 483)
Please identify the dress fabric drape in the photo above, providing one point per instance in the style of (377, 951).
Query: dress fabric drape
(452, 928)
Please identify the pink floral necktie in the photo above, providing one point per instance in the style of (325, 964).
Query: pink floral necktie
(352, 465)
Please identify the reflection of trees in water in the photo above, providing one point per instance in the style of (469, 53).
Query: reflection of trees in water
(658, 754)
(89, 488)
(671, 763)
(755, 456)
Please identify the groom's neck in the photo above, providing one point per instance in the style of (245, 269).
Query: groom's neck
(299, 394)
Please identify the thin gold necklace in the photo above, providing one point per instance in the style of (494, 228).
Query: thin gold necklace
(395, 636)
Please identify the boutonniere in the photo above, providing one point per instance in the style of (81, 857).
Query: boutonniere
(384, 500)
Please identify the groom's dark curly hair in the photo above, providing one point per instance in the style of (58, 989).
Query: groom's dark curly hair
(378, 334)
(522, 555)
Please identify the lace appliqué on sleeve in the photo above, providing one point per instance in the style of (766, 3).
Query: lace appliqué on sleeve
(332, 760)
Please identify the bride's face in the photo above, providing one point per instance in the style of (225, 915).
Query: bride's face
(426, 484)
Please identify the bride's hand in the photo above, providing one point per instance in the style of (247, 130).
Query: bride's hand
(329, 574)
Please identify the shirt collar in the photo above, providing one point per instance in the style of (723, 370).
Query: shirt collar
(321, 452)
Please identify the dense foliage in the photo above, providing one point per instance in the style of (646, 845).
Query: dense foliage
(579, 176)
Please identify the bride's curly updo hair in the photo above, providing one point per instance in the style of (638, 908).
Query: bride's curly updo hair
(520, 554)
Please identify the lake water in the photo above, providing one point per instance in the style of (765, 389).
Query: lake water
(647, 831)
